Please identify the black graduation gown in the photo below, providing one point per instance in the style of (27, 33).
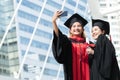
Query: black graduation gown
(103, 64)
(62, 44)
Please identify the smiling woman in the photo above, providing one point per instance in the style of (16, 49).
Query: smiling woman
(104, 64)
(71, 51)
(96, 31)
(76, 29)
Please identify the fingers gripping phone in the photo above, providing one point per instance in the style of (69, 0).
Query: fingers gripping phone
(65, 13)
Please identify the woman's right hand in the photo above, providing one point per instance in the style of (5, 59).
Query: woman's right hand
(89, 50)
(54, 18)
(56, 15)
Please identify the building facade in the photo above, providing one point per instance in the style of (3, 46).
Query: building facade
(110, 10)
(9, 60)
(26, 50)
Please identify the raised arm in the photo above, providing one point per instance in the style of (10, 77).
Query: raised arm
(54, 18)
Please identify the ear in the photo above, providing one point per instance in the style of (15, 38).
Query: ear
(70, 31)
(70, 34)
(103, 31)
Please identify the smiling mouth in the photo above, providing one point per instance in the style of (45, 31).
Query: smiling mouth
(94, 35)
(77, 32)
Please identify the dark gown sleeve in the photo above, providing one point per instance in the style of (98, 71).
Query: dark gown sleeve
(104, 52)
(90, 59)
(91, 56)
(60, 47)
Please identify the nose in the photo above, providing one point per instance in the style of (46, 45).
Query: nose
(76, 27)
(93, 33)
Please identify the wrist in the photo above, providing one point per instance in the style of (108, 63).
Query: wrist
(53, 21)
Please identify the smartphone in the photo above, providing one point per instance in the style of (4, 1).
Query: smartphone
(64, 13)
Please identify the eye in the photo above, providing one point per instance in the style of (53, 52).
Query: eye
(95, 30)
(79, 25)
(73, 25)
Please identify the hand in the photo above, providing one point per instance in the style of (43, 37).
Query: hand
(89, 50)
(56, 15)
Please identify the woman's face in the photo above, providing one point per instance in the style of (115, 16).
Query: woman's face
(76, 29)
(96, 31)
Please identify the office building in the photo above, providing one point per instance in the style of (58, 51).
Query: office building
(9, 61)
(28, 41)
(110, 9)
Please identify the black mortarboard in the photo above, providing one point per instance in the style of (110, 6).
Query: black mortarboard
(75, 18)
(104, 25)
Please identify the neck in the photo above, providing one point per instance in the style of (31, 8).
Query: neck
(76, 36)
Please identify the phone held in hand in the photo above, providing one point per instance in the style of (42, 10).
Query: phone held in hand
(64, 13)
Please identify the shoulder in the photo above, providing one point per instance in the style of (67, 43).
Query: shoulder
(103, 38)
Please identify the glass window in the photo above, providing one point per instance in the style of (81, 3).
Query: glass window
(13, 29)
(7, 8)
(61, 74)
(45, 22)
(103, 5)
(34, 43)
(41, 0)
(85, 1)
(41, 57)
(101, 0)
(113, 17)
(12, 43)
(24, 40)
(41, 45)
(0, 70)
(116, 42)
(7, 2)
(39, 32)
(22, 52)
(48, 12)
(4, 57)
(43, 34)
(14, 62)
(26, 78)
(27, 16)
(71, 2)
(50, 72)
(82, 8)
(4, 44)
(25, 67)
(51, 60)
(31, 5)
(67, 9)
(4, 70)
(54, 4)
(65, 30)
(26, 28)
(114, 23)
(63, 19)
(106, 17)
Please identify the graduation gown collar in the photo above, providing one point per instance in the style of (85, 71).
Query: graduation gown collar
(77, 39)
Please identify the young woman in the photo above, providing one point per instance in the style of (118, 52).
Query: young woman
(70, 51)
(103, 64)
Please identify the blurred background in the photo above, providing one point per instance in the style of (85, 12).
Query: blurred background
(26, 34)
